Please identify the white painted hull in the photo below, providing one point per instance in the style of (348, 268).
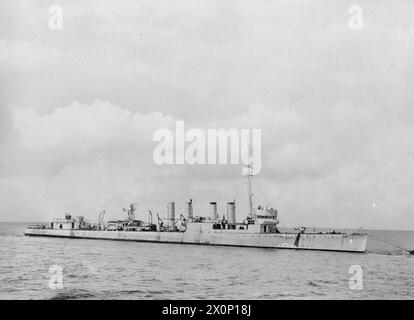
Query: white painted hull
(197, 233)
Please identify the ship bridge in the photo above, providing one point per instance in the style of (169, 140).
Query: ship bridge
(266, 218)
(266, 214)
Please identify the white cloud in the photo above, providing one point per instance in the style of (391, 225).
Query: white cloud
(87, 157)
(78, 134)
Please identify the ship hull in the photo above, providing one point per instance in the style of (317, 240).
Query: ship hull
(197, 234)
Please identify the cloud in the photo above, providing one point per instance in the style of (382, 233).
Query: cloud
(79, 133)
(100, 155)
(208, 58)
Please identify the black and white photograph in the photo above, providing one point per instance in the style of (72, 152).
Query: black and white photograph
(208, 150)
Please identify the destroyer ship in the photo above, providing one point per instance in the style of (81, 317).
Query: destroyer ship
(259, 229)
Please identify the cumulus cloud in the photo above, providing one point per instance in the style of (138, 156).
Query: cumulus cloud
(79, 133)
(85, 157)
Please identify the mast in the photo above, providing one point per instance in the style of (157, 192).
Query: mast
(131, 212)
(249, 182)
(249, 178)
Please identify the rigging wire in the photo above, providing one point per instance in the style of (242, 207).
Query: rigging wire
(391, 244)
(261, 192)
(238, 188)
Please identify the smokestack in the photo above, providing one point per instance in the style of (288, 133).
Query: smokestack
(189, 209)
(213, 211)
(231, 212)
(171, 216)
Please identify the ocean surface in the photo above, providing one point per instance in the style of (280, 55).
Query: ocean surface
(99, 269)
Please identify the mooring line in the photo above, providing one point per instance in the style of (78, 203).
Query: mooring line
(391, 244)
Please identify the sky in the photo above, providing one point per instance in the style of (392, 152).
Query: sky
(79, 107)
